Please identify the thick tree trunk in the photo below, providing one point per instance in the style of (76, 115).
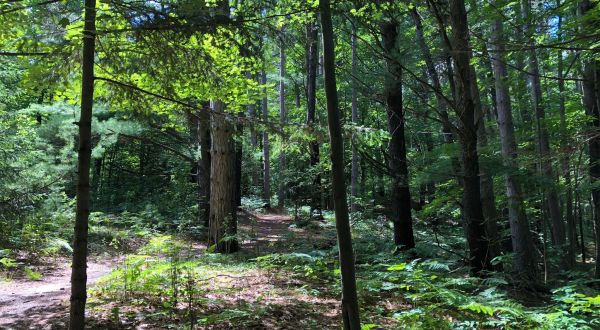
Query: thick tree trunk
(223, 219)
(350, 311)
(400, 202)
(472, 210)
(355, 158)
(311, 106)
(282, 118)
(524, 259)
(591, 102)
(80, 237)
(545, 165)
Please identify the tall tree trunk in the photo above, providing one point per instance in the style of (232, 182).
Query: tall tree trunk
(523, 249)
(400, 202)
(591, 102)
(80, 236)
(266, 145)
(355, 159)
(565, 159)
(350, 311)
(465, 109)
(254, 172)
(282, 118)
(488, 200)
(223, 219)
(311, 101)
(545, 166)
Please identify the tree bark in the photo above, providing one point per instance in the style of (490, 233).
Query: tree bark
(465, 109)
(400, 202)
(524, 260)
(350, 311)
(223, 219)
(591, 102)
(80, 236)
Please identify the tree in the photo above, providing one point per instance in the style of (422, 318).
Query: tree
(401, 207)
(350, 311)
(465, 109)
(311, 103)
(281, 192)
(591, 102)
(545, 164)
(524, 259)
(84, 153)
(266, 145)
(222, 229)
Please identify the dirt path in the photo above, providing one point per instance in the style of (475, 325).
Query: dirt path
(264, 230)
(26, 304)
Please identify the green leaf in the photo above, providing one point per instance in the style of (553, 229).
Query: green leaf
(398, 267)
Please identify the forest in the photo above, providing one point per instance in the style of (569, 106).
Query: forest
(264, 164)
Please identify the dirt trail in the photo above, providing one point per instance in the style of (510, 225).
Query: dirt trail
(26, 304)
(264, 229)
(44, 304)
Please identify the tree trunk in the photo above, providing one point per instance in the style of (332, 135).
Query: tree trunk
(311, 105)
(350, 311)
(223, 219)
(465, 108)
(400, 202)
(80, 236)
(355, 159)
(282, 118)
(266, 146)
(565, 159)
(545, 165)
(524, 259)
(591, 102)
(254, 172)
(488, 200)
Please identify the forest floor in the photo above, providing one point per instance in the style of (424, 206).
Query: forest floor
(236, 286)
(35, 304)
